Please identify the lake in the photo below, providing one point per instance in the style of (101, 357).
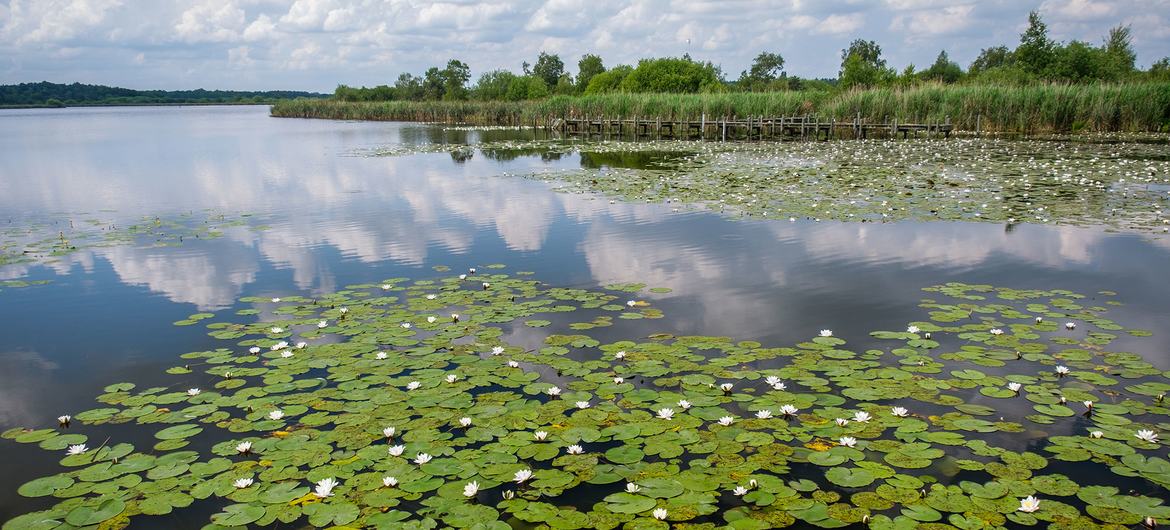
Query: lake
(307, 209)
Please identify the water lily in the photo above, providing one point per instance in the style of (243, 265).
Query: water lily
(632, 488)
(779, 386)
(431, 297)
(276, 329)
(631, 303)
(77, 449)
(275, 300)
(323, 324)
(1070, 325)
(684, 404)
(1039, 319)
(841, 422)
(496, 350)
(389, 482)
(1096, 434)
(324, 487)
(666, 414)
(470, 489)
(575, 449)
(848, 441)
(508, 495)
(432, 319)
(381, 356)
(386, 287)
(1088, 404)
(242, 483)
(454, 317)
(1014, 387)
(861, 416)
(254, 349)
(286, 354)
(64, 419)
(1029, 504)
(397, 450)
(772, 380)
(486, 286)
(660, 513)
(302, 345)
(276, 414)
(912, 329)
(1062, 370)
(471, 270)
(996, 331)
(522, 475)
(788, 410)
(726, 420)
(422, 458)
(451, 378)
(582, 404)
(726, 387)
(244, 447)
(1147, 435)
(739, 491)
(465, 421)
(405, 325)
(343, 310)
(619, 355)
(540, 435)
(413, 385)
(900, 412)
(553, 391)
(279, 346)
(826, 333)
(513, 364)
(193, 391)
(618, 380)
(764, 414)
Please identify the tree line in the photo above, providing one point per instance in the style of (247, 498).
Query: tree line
(60, 95)
(1036, 58)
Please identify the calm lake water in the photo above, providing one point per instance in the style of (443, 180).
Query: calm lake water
(333, 218)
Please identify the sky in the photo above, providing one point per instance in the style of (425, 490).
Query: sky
(317, 44)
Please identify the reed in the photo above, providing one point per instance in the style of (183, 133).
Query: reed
(1122, 107)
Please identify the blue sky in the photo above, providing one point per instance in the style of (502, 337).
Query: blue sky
(316, 44)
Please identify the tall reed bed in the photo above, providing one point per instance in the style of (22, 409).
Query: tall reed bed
(1130, 107)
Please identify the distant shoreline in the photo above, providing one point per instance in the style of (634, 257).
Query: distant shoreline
(192, 104)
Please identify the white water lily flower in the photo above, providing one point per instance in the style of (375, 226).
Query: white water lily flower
(575, 449)
(1088, 404)
(451, 378)
(422, 458)
(665, 414)
(302, 345)
(1039, 319)
(193, 391)
(553, 391)
(540, 435)
(486, 285)
(631, 303)
(1070, 325)
(243, 447)
(660, 513)
(726, 387)
(386, 287)
(508, 495)
(470, 489)
(912, 329)
(996, 331)
(788, 410)
(324, 487)
(772, 380)
(254, 349)
(389, 482)
(413, 385)
(279, 346)
(242, 483)
(431, 297)
(726, 420)
(397, 450)
(1014, 387)
(64, 419)
(826, 333)
(900, 412)
(582, 404)
(684, 404)
(632, 488)
(1029, 504)
(618, 380)
(1062, 370)
(77, 449)
(322, 324)
(841, 422)
(779, 386)
(739, 491)
(1147, 435)
(381, 355)
(432, 319)
(619, 355)
(276, 329)
(465, 421)
(286, 354)
(522, 475)
(764, 414)
(848, 441)
(455, 317)
(275, 300)
(343, 310)
(276, 414)
(513, 364)
(405, 325)
(1096, 434)
(496, 350)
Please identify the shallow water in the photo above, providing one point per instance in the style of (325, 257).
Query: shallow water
(325, 218)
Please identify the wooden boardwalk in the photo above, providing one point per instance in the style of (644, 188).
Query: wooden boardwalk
(732, 128)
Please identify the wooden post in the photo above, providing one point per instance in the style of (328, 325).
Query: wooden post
(725, 128)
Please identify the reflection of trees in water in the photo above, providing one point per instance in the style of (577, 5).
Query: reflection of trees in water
(631, 159)
(508, 155)
(461, 156)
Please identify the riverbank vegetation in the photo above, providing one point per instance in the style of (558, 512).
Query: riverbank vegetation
(1040, 85)
(45, 94)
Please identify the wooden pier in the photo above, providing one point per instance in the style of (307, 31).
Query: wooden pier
(750, 128)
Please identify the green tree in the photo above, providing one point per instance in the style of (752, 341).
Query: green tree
(433, 84)
(455, 77)
(764, 70)
(589, 66)
(994, 57)
(608, 81)
(549, 68)
(1079, 62)
(862, 65)
(493, 85)
(409, 87)
(1119, 50)
(672, 75)
(1160, 70)
(1036, 51)
(943, 69)
(527, 87)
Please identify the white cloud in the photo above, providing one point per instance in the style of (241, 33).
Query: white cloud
(211, 21)
(263, 28)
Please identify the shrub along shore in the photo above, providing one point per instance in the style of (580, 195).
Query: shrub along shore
(1123, 107)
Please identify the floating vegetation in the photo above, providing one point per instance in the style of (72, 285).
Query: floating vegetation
(402, 404)
(48, 241)
(16, 284)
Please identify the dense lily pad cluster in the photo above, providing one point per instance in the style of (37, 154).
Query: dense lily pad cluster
(401, 404)
(48, 241)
